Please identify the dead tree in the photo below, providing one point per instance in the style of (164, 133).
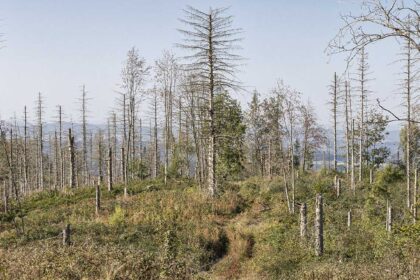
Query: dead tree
(72, 156)
(25, 150)
(167, 74)
(56, 161)
(338, 187)
(334, 102)
(379, 20)
(303, 221)
(98, 197)
(211, 38)
(349, 219)
(416, 171)
(408, 92)
(123, 166)
(362, 80)
(290, 103)
(389, 218)
(110, 178)
(352, 176)
(347, 115)
(60, 146)
(40, 151)
(85, 169)
(100, 157)
(319, 226)
(133, 76)
(67, 235)
(155, 167)
(5, 196)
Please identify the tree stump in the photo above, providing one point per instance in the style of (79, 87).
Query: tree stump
(66, 235)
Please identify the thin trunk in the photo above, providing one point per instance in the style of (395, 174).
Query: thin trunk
(72, 161)
(335, 119)
(25, 150)
(303, 221)
(319, 227)
(347, 97)
(110, 178)
(352, 179)
(408, 140)
(98, 197)
(349, 219)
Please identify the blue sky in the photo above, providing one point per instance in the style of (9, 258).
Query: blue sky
(54, 47)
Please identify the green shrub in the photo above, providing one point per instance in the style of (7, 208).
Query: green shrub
(118, 217)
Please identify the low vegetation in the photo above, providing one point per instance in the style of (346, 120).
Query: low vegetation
(173, 231)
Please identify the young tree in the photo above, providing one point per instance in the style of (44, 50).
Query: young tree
(167, 72)
(313, 135)
(211, 39)
(230, 135)
(290, 104)
(134, 74)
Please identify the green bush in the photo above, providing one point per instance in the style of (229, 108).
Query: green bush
(118, 217)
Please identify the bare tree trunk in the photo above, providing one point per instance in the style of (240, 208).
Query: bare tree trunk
(347, 116)
(124, 140)
(25, 150)
(286, 192)
(40, 143)
(56, 161)
(319, 227)
(98, 197)
(416, 171)
(141, 148)
(5, 198)
(100, 160)
(211, 164)
(389, 219)
(110, 178)
(292, 175)
(66, 235)
(303, 221)
(362, 70)
(60, 146)
(84, 138)
(335, 93)
(270, 175)
(338, 187)
(123, 166)
(408, 129)
(72, 161)
(349, 219)
(352, 178)
(114, 145)
(155, 141)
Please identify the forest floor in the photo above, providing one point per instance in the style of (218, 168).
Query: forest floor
(173, 231)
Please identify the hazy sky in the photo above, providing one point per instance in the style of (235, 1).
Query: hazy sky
(55, 46)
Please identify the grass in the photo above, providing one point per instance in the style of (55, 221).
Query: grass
(176, 232)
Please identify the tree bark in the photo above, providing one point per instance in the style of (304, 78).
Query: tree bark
(98, 197)
(303, 221)
(110, 177)
(319, 227)
(72, 161)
